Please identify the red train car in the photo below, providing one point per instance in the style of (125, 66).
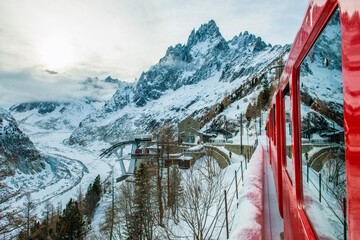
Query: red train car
(313, 127)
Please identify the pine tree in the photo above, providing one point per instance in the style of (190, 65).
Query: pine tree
(70, 225)
(141, 222)
(264, 95)
(92, 197)
(97, 187)
(221, 107)
(249, 112)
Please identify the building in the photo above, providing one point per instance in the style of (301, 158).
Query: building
(189, 131)
(216, 132)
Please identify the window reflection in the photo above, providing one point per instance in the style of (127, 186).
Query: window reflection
(322, 134)
(287, 126)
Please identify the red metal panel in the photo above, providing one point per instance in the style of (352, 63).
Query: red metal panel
(350, 34)
(319, 11)
(271, 136)
(279, 147)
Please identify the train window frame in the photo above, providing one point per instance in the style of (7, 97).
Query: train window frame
(307, 210)
(274, 122)
(290, 175)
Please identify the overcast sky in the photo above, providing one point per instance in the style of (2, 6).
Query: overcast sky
(47, 47)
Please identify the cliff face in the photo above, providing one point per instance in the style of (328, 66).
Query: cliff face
(16, 149)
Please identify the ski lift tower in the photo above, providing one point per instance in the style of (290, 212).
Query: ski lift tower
(136, 153)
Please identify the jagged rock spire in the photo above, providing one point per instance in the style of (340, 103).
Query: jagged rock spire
(206, 31)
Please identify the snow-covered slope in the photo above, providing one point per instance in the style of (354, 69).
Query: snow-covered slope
(65, 115)
(188, 80)
(54, 116)
(43, 167)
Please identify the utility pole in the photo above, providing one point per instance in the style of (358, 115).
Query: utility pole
(112, 203)
(260, 123)
(256, 132)
(226, 217)
(241, 134)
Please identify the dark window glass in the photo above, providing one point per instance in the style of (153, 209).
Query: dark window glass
(322, 133)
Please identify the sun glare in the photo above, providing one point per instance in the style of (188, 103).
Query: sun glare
(56, 53)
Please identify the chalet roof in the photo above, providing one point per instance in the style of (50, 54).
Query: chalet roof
(197, 131)
(217, 130)
(188, 119)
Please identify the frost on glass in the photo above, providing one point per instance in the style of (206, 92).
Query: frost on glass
(322, 134)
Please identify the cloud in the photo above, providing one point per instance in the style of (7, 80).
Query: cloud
(37, 85)
(119, 38)
(51, 72)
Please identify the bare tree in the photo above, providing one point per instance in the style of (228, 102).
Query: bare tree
(335, 170)
(28, 214)
(9, 219)
(123, 208)
(110, 214)
(48, 215)
(202, 191)
(175, 191)
(165, 137)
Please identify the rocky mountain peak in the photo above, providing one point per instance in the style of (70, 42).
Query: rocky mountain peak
(42, 107)
(201, 56)
(206, 31)
(109, 79)
(207, 59)
(246, 41)
(178, 53)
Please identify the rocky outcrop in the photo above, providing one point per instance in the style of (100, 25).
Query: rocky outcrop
(16, 148)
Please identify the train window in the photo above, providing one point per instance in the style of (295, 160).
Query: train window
(288, 163)
(274, 124)
(322, 134)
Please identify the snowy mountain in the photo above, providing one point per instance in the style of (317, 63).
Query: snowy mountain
(97, 84)
(25, 167)
(65, 115)
(189, 80)
(16, 149)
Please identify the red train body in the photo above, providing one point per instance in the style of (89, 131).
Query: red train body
(302, 151)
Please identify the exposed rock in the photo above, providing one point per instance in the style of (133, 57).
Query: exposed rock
(16, 148)
(205, 58)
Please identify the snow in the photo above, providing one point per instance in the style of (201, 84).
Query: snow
(78, 166)
(68, 169)
(331, 227)
(273, 222)
(246, 221)
(249, 215)
(195, 148)
(200, 49)
(188, 158)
